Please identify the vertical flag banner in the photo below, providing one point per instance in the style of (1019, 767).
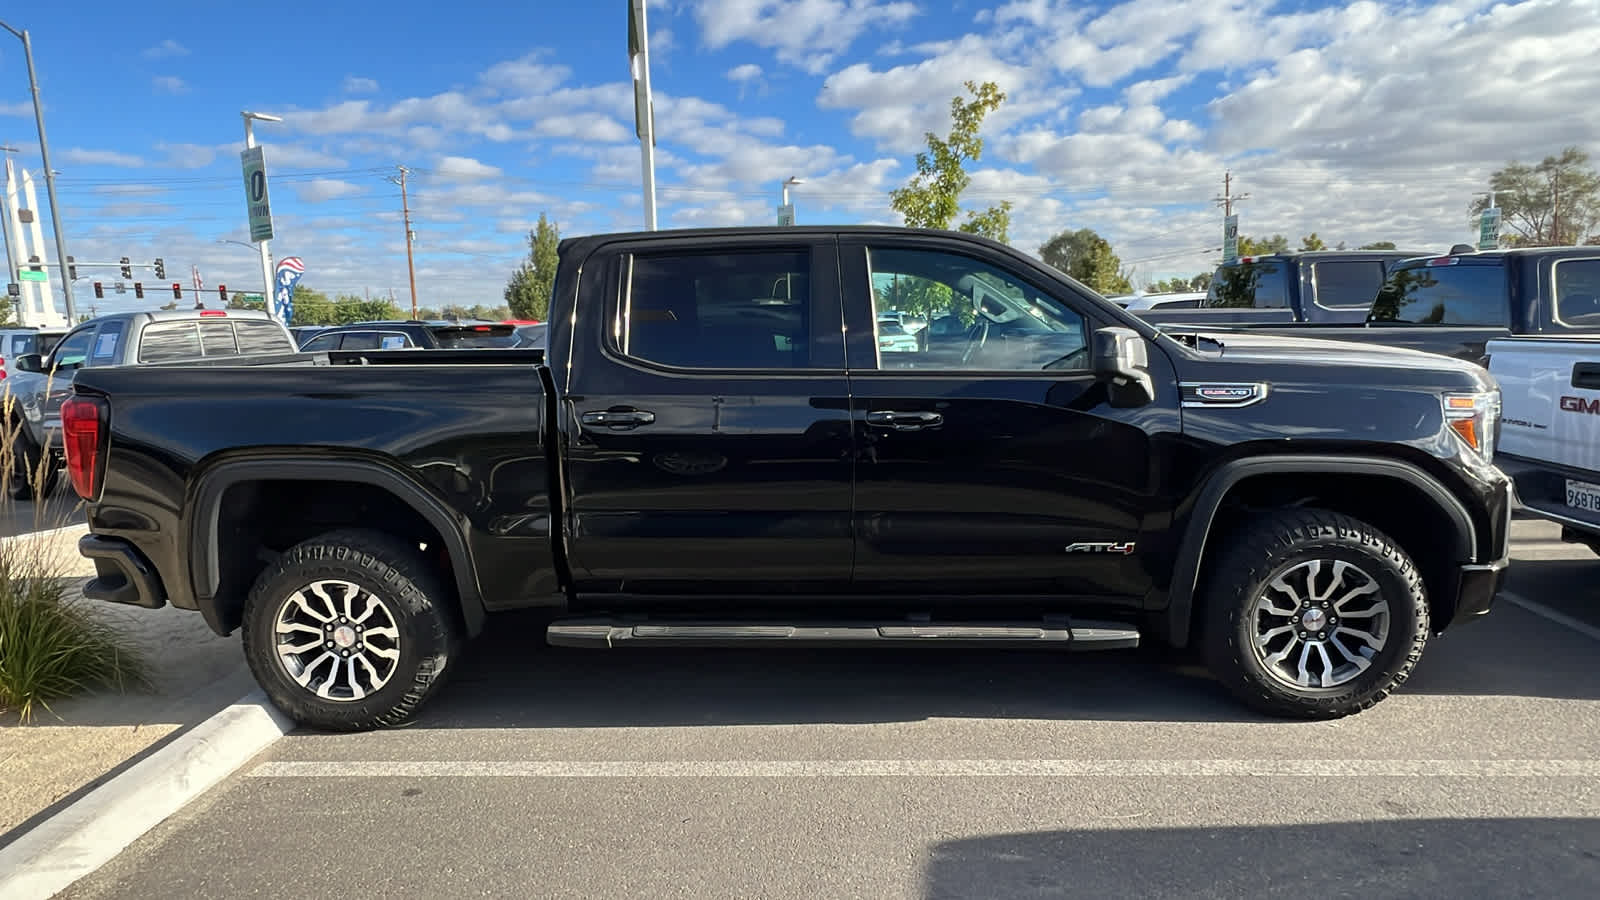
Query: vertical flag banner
(290, 268)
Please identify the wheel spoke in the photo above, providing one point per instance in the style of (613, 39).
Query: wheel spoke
(297, 649)
(1304, 672)
(1316, 653)
(1356, 659)
(372, 674)
(1371, 587)
(310, 671)
(1271, 634)
(321, 591)
(356, 690)
(385, 631)
(298, 598)
(291, 627)
(1295, 597)
(389, 653)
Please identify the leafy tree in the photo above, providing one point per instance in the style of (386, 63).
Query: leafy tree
(1312, 242)
(1249, 246)
(312, 308)
(932, 198)
(1088, 257)
(1379, 245)
(427, 312)
(528, 292)
(1553, 203)
(8, 313)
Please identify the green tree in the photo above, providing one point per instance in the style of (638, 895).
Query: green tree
(8, 313)
(932, 198)
(1379, 245)
(1088, 257)
(313, 308)
(1554, 203)
(528, 292)
(1249, 246)
(1312, 242)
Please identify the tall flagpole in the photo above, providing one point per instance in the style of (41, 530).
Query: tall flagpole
(644, 113)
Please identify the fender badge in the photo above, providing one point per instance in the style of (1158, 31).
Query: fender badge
(1122, 547)
(1222, 394)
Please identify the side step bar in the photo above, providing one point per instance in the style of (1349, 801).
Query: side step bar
(1077, 635)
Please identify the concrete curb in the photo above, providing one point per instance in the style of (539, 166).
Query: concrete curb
(90, 832)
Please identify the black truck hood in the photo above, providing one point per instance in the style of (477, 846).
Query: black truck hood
(1311, 359)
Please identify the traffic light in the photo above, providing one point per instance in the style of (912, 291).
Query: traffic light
(127, 270)
(222, 293)
(99, 292)
(161, 269)
(177, 291)
(138, 289)
(72, 269)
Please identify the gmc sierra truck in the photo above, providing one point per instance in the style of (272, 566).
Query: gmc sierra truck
(1455, 304)
(1551, 429)
(714, 450)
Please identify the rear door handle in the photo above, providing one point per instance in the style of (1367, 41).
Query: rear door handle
(619, 418)
(905, 421)
(1586, 375)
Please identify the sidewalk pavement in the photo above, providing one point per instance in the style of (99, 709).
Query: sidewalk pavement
(82, 741)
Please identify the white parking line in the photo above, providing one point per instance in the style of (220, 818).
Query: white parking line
(1560, 618)
(935, 768)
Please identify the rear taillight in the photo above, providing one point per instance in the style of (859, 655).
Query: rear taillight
(83, 437)
(2, 368)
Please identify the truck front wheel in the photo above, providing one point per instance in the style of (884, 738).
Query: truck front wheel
(1313, 614)
(349, 631)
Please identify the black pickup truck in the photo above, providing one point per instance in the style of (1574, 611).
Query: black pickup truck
(1455, 304)
(715, 449)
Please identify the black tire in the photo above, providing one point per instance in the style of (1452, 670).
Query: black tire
(1286, 544)
(409, 589)
(25, 465)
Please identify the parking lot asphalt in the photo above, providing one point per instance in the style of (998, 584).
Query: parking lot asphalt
(25, 516)
(931, 773)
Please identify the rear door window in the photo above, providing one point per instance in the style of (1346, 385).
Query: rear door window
(320, 343)
(167, 341)
(107, 343)
(1252, 285)
(1347, 283)
(1453, 292)
(475, 337)
(359, 340)
(1578, 292)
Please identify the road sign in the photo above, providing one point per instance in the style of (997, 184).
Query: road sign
(1489, 229)
(786, 214)
(1230, 239)
(255, 194)
(30, 275)
(13, 289)
(122, 288)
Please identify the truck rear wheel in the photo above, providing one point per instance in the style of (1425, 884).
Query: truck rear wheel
(1313, 614)
(349, 631)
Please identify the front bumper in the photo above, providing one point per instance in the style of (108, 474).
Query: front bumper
(1476, 584)
(122, 574)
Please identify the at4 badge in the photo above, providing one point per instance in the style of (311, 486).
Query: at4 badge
(1122, 547)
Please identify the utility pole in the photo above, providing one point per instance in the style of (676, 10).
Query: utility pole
(263, 248)
(1227, 200)
(1555, 210)
(49, 173)
(405, 210)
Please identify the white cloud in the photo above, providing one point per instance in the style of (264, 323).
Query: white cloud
(451, 112)
(78, 156)
(743, 73)
(165, 49)
(805, 33)
(294, 156)
(322, 189)
(462, 168)
(1147, 92)
(528, 75)
(16, 109)
(585, 126)
(170, 84)
(188, 156)
(354, 84)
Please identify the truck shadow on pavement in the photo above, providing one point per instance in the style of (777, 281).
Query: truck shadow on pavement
(1525, 857)
(510, 679)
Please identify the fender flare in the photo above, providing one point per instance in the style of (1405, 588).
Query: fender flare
(206, 507)
(1186, 570)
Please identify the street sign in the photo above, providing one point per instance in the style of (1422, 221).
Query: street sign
(786, 214)
(13, 289)
(122, 288)
(255, 194)
(30, 275)
(1489, 229)
(1230, 239)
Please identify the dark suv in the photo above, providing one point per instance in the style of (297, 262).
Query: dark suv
(412, 335)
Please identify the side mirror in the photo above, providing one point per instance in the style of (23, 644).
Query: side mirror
(1122, 363)
(28, 362)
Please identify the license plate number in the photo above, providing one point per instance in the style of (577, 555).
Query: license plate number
(1583, 495)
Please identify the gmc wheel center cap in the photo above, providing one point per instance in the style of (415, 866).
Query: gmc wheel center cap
(1313, 620)
(344, 636)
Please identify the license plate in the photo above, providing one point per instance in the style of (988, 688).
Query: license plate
(1583, 495)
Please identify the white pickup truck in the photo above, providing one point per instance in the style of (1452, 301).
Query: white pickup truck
(1550, 429)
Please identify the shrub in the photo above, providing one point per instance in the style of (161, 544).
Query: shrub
(51, 643)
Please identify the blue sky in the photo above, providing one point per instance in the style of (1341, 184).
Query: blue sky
(1372, 121)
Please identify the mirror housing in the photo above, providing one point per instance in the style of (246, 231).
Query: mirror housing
(28, 362)
(1122, 363)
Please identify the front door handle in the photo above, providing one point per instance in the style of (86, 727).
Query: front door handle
(619, 418)
(905, 421)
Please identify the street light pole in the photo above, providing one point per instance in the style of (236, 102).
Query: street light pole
(49, 173)
(788, 184)
(263, 247)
